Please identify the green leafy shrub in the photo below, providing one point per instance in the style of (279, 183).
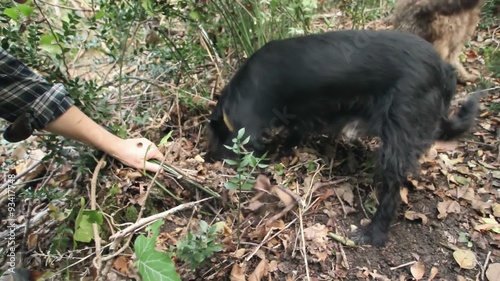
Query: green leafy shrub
(196, 248)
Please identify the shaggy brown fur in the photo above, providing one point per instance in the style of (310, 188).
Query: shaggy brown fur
(447, 24)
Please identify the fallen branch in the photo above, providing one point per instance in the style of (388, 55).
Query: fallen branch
(148, 220)
(93, 206)
(4, 193)
(180, 175)
(402, 265)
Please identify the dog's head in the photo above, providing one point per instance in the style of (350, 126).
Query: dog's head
(234, 112)
(220, 131)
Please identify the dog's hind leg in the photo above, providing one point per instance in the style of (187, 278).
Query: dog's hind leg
(405, 134)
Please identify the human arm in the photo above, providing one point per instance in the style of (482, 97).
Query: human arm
(74, 124)
(32, 103)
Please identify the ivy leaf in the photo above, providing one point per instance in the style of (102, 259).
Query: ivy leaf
(153, 265)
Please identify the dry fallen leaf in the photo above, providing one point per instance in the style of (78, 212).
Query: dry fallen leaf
(254, 205)
(447, 207)
(462, 192)
(466, 259)
(417, 270)
(493, 272)
(481, 206)
(260, 271)
(412, 215)
(239, 253)
(496, 210)
(317, 234)
(433, 274)
(121, 264)
(404, 195)
(378, 276)
(345, 192)
(443, 146)
(238, 272)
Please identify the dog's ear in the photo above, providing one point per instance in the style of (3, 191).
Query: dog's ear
(217, 133)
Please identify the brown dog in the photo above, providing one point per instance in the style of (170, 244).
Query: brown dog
(447, 24)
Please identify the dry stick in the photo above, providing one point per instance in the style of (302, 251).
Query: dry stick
(402, 265)
(65, 7)
(344, 257)
(303, 246)
(361, 200)
(267, 239)
(205, 43)
(4, 192)
(341, 203)
(148, 220)
(26, 230)
(483, 269)
(35, 2)
(93, 206)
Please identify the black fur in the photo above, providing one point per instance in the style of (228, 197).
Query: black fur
(393, 85)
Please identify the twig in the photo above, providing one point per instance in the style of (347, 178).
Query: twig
(93, 206)
(344, 257)
(303, 244)
(148, 220)
(65, 7)
(486, 261)
(265, 240)
(486, 90)
(402, 265)
(361, 200)
(180, 175)
(53, 33)
(4, 190)
(341, 203)
(26, 232)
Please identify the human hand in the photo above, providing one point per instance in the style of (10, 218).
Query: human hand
(136, 152)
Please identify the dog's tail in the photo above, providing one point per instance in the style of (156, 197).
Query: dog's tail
(447, 7)
(464, 119)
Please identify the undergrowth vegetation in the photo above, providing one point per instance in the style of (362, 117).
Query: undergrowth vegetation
(144, 68)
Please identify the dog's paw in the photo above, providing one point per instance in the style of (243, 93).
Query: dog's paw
(464, 77)
(370, 235)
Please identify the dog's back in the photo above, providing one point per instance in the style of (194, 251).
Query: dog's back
(447, 24)
(298, 83)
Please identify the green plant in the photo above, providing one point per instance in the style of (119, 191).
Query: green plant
(252, 23)
(489, 16)
(361, 12)
(153, 265)
(245, 164)
(195, 248)
(463, 237)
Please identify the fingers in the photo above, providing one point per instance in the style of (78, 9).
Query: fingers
(150, 151)
(152, 167)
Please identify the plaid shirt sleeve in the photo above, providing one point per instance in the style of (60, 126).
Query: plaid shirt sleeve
(24, 92)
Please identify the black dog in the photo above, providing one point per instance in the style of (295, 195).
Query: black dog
(390, 84)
